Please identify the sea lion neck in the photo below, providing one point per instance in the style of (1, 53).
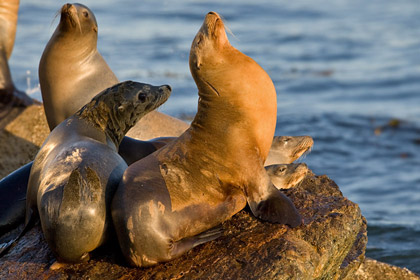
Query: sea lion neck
(237, 98)
(118, 108)
(98, 113)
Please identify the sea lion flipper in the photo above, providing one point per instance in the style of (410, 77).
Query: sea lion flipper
(271, 205)
(186, 244)
(13, 189)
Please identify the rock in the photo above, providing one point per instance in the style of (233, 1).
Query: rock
(372, 269)
(21, 137)
(330, 245)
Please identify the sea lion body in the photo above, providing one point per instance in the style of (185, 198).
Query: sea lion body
(167, 202)
(78, 168)
(9, 94)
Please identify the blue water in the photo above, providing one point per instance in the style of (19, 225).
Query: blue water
(346, 72)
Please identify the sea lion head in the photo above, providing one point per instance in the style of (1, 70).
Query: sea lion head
(78, 20)
(292, 147)
(286, 176)
(210, 39)
(118, 108)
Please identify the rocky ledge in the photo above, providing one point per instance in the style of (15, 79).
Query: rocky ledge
(330, 245)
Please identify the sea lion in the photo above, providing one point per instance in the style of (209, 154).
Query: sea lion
(72, 71)
(286, 176)
(78, 168)
(167, 201)
(9, 94)
(287, 149)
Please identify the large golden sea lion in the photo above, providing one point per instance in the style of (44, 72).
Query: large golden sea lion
(167, 202)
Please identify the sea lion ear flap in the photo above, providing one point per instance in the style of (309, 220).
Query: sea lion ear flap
(269, 204)
(197, 62)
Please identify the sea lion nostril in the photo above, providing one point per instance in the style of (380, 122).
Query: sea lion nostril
(166, 87)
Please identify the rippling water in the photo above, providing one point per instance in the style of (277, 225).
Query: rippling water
(346, 72)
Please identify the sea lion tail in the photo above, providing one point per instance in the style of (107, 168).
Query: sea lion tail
(186, 244)
(5, 247)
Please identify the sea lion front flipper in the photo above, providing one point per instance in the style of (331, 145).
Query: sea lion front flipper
(186, 244)
(132, 150)
(269, 204)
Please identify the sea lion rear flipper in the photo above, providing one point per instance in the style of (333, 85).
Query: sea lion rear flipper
(269, 204)
(5, 247)
(186, 244)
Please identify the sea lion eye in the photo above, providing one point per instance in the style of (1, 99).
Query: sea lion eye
(85, 14)
(142, 97)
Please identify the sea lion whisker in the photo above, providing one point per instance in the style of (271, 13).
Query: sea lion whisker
(55, 17)
(229, 31)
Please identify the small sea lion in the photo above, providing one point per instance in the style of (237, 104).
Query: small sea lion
(9, 94)
(286, 176)
(78, 168)
(168, 202)
(287, 149)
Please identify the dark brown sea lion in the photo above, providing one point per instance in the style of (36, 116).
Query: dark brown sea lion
(168, 201)
(9, 94)
(78, 168)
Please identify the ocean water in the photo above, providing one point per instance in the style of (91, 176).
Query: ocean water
(346, 72)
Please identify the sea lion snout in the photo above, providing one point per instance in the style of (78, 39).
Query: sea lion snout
(150, 96)
(166, 88)
(68, 9)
